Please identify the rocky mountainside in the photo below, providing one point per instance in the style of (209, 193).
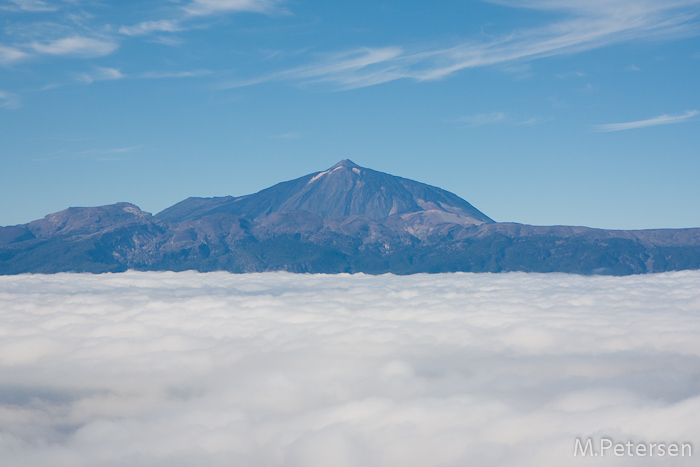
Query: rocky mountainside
(345, 189)
(344, 219)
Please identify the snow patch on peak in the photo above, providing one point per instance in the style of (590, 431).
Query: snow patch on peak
(345, 163)
(356, 170)
(318, 176)
(322, 174)
(133, 210)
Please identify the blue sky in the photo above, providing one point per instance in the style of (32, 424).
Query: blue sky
(579, 112)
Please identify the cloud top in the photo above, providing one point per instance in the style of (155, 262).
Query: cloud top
(311, 370)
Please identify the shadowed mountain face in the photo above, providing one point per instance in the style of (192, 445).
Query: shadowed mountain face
(345, 189)
(344, 219)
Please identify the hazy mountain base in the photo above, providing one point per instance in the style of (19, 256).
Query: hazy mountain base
(302, 242)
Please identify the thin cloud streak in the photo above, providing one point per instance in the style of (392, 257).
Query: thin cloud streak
(498, 118)
(9, 100)
(148, 27)
(198, 8)
(209, 7)
(532, 121)
(101, 74)
(80, 46)
(30, 6)
(112, 74)
(174, 74)
(664, 119)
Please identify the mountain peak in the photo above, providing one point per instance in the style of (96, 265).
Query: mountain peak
(346, 189)
(345, 163)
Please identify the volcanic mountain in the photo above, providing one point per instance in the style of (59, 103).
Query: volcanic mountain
(344, 219)
(345, 189)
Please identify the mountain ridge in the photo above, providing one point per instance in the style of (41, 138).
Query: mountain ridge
(344, 219)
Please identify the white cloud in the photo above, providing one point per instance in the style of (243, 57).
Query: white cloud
(664, 119)
(32, 5)
(578, 74)
(277, 369)
(208, 7)
(9, 100)
(10, 54)
(148, 27)
(583, 25)
(100, 74)
(344, 69)
(77, 46)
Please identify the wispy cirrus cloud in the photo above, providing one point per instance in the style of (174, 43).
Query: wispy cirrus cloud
(174, 74)
(208, 7)
(112, 154)
(197, 8)
(498, 118)
(92, 154)
(97, 74)
(30, 5)
(10, 55)
(9, 100)
(350, 69)
(111, 74)
(583, 25)
(80, 46)
(100, 74)
(664, 119)
(148, 27)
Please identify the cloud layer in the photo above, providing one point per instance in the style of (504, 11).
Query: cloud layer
(309, 370)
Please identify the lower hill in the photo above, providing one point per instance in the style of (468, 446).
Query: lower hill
(299, 241)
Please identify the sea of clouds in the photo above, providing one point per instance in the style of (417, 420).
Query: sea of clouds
(276, 369)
